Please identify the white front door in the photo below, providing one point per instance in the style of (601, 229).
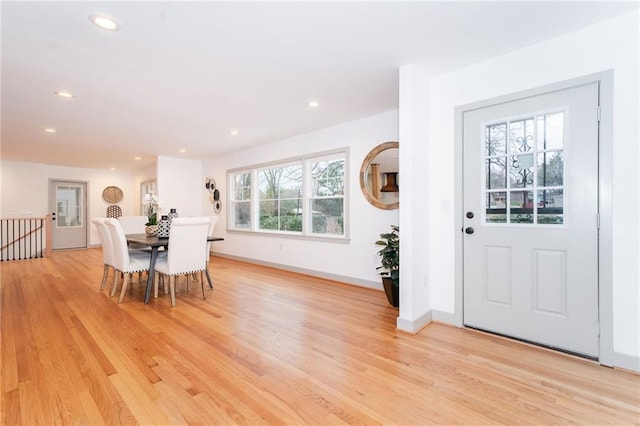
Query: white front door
(531, 219)
(69, 214)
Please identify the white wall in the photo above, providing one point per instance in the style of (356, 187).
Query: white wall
(180, 186)
(611, 45)
(354, 261)
(25, 187)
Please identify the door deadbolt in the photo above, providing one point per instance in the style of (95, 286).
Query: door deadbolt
(470, 215)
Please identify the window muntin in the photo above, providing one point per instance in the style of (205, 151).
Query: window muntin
(302, 196)
(524, 170)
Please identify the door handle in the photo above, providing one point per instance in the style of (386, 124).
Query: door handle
(469, 230)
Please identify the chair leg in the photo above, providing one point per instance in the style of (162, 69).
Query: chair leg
(204, 297)
(125, 284)
(114, 286)
(172, 289)
(105, 275)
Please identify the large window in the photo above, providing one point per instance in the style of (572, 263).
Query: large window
(302, 196)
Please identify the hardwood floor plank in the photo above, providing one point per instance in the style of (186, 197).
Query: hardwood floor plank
(270, 347)
(94, 417)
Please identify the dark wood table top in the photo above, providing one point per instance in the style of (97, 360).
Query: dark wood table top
(147, 240)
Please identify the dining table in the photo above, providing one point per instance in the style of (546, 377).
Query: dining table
(155, 243)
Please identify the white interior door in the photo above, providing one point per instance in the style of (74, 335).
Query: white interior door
(69, 214)
(531, 219)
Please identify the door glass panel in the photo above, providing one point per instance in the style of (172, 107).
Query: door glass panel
(551, 206)
(521, 203)
(532, 163)
(550, 168)
(496, 173)
(497, 207)
(550, 128)
(495, 139)
(69, 210)
(521, 136)
(521, 171)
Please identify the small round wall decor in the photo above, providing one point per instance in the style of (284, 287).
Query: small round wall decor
(112, 194)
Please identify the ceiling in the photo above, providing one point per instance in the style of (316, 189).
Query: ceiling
(183, 75)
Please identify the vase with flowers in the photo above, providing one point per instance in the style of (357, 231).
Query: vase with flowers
(152, 208)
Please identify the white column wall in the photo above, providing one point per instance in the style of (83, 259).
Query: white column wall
(415, 214)
(180, 186)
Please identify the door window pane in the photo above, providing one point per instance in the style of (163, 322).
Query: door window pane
(521, 171)
(550, 129)
(495, 136)
(550, 168)
(496, 211)
(521, 136)
(521, 207)
(496, 173)
(551, 206)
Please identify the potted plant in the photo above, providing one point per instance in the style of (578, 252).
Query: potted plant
(389, 268)
(152, 207)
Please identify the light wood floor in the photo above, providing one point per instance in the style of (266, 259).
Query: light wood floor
(270, 347)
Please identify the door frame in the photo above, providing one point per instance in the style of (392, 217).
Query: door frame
(605, 204)
(87, 214)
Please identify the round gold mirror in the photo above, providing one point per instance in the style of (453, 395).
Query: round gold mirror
(379, 176)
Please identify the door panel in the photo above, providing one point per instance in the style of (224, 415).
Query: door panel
(69, 225)
(531, 182)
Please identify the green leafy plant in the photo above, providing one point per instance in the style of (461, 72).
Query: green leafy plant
(390, 255)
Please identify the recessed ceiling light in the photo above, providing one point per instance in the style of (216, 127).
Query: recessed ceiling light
(104, 22)
(64, 94)
(313, 104)
(182, 150)
(234, 133)
(112, 168)
(137, 158)
(50, 130)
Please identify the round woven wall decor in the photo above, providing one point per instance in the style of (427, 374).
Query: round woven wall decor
(112, 194)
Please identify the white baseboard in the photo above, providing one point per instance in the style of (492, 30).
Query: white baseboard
(443, 317)
(413, 326)
(320, 274)
(628, 362)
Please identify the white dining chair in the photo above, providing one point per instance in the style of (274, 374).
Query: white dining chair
(133, 224)
(125, 262)
(186, 254)
(107, 248)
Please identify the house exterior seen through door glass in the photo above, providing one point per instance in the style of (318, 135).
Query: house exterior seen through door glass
(530, 195)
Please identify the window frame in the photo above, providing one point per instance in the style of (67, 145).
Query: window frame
(305, 161)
